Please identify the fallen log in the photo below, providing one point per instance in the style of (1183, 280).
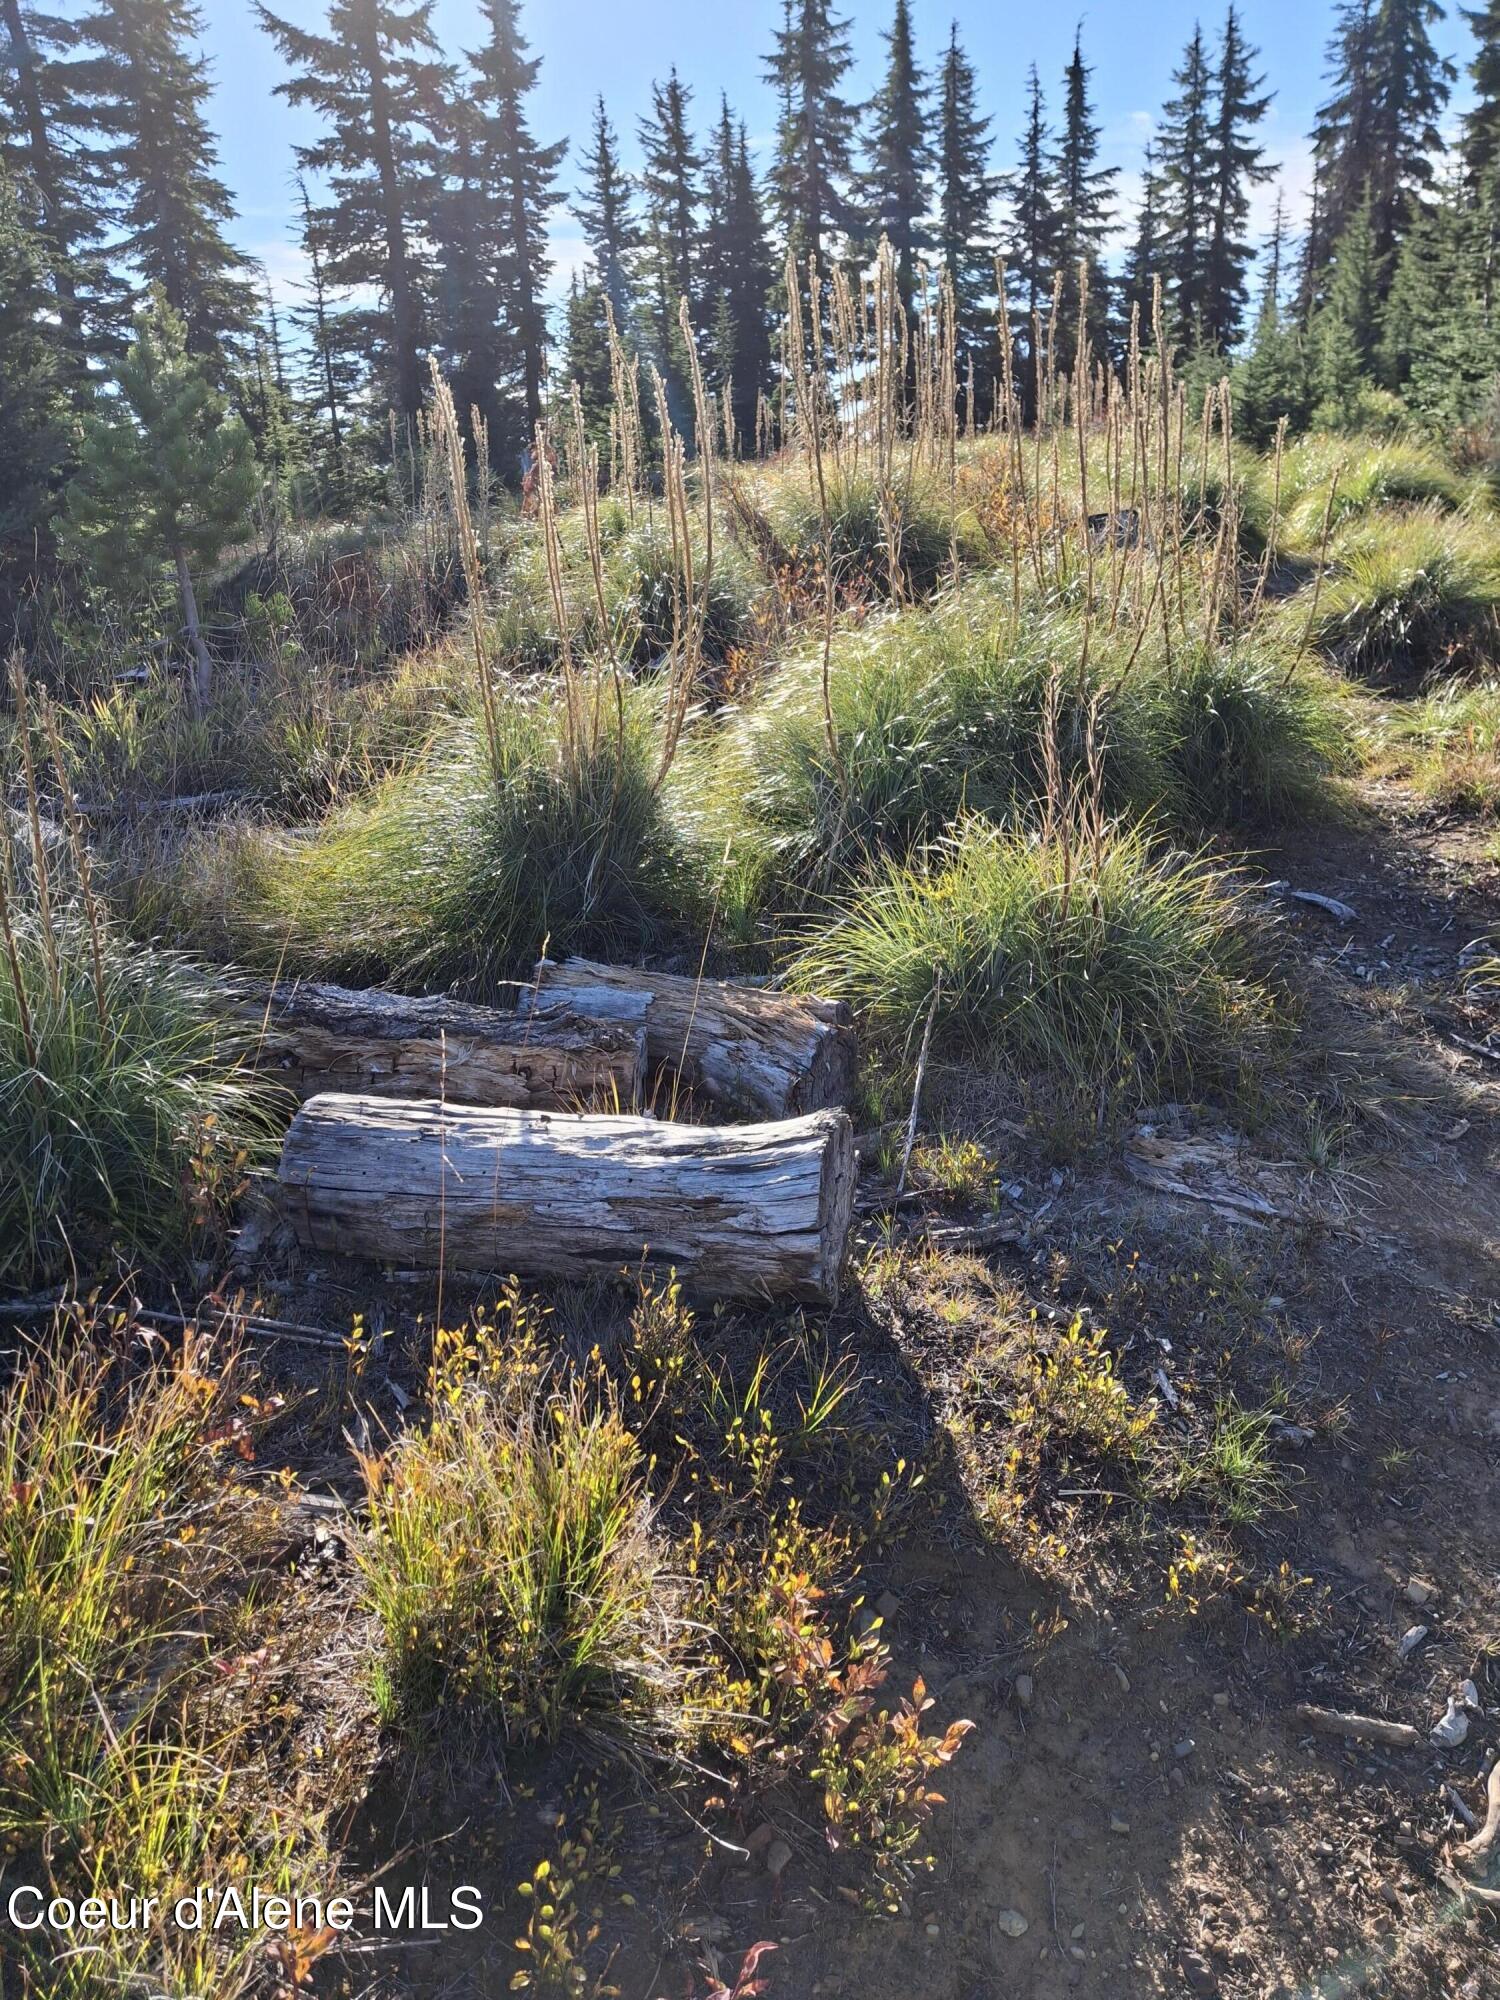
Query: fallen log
(317, 1037)
(1363, 1728)
(738, 1211)
(742, 1046)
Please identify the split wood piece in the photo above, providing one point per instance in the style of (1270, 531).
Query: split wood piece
(739, 1211)
(1488, 1837)
(318, 1037)
(1365, 1728)
(745, 1047)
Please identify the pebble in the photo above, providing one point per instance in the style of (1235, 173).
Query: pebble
(1013, 1923)
(934, 1930)
(1184, 1748)
(1420, 1591)
(1118, 1825)
(1411, 1639)
(1197, 1971)
(1025, 1689)
(778, 1855)
(1221, 1700)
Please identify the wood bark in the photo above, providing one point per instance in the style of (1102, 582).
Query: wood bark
(739, 1211)
(316, 1037)
(744, 1047)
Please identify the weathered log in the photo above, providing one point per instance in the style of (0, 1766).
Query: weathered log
(738, 1210)
(317, 1037)
(745, 1047)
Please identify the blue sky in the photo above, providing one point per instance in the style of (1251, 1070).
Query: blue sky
(588, 46)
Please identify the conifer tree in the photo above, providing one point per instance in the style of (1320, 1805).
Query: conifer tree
(1033, 240)
(737, 276)
(966, 191)
(147, 91)
(1439, 343)
(1185, 151)
(331, 379)
(519, 180)
(603, 209)
(1481, 140)
(586, 353)
(813, 169)
(895, 183)
(1085, 202)
(1143, 264)
(1343, 135)
(33, 436)
(164, 474)
(1344, 330)
(375, 81)
(1235, 164)
(669, 180)
(1271, 381)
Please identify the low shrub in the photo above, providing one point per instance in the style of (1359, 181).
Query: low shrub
(1095, 959)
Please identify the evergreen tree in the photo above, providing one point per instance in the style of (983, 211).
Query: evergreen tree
(1481, 140)
(33, 437)
(375, 82)
(1186, 152)
(1439, 343)
(604, 212)
(813, 168)
(332, 369)
(1143, 264)
(738, 278)
(966, 191)
(467, 305)
(1234, 165)
(520, 188)
(163, 473)
(586, 353)
(1343, 135)
(42, 129)
(895, 184)
(1271, 381)
(669, 181)
(147, 92)
(1085, 202)
(1343, 332)
(1033, 240)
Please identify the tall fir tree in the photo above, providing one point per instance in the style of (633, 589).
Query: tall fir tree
(1144, 259)
(33, 435)
(1481, 136)
(966, 193)
(1440, 345)
(896, 179)
(147, 91)
(1185, 151)
(375, 80)
(1235, 165)
(1032, 243)
(519, 181)
(605, 214)
(813, 170)
(331, 369)
(737, 275)
(586, 353)
(1345, 329)
(1085, 202)
(670, 171)
(1343, 136)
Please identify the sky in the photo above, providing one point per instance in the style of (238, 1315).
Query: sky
(618, 47)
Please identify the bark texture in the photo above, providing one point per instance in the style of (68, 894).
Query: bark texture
(739, 1211)
(318, 1037)
(744, 1047)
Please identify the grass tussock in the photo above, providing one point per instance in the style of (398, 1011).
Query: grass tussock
(1447, 744)
(511, 1562)
(1092, 957)
(458, 870)
(885, 542)
(1414, 594)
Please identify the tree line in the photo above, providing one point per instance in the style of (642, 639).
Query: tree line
(426, 198)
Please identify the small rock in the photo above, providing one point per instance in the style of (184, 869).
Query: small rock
(1013, 1923)
(1420, 1591)
(1410, 1640)
(934, 1930)
(1184, 1747)
(1118, 1825)
(778, 1855)
(1221, 1700)
(1077, 1932)
(887, 1604)
(1452, 1728)
(1025, 1689)
(1122, 1677)
(1198, 1973)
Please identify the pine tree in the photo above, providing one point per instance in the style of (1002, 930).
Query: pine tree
(1085, 202)
(375, 82)
(163, 473)
(1271, 381)
(43, 126)
(1185, 150)
(737, 277)
(332, 369)
(586, 353)
(33, 436)
(1234, 165)
(1143, 264)
(467, 306)
(1440, 346)
(147, 92)
(966, 192)
(604, 213)
(669, 181)
(813, 169)
(895, 183)
(1033, 241)
(1343, 136)
(1481, 140)
(1344, 330)
(520, 186)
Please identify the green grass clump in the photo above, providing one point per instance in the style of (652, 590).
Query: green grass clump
(511, 1564)
(124, 1119)
(1412, 593)
(1448, 745)
(1383, 472)
(646, 591)
(862, 530)
(455, 872)
(1246, 741)
(1092, 961)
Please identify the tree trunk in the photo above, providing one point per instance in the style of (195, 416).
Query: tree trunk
(317, 1038)
(203, 676)
(738, 1211)
(744, 1047)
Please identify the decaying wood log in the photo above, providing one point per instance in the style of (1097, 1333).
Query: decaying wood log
(319, 1037)
(739, 1211)
(1363, 1728)
(742, 1046)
